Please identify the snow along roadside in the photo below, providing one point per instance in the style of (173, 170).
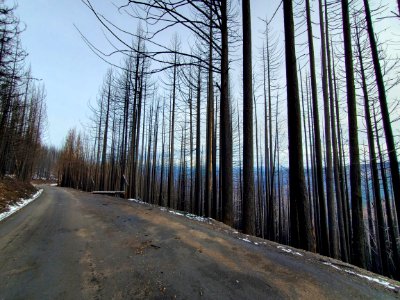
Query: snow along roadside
(377, 279)
(373, 279)
(175, 212)
(20, 204)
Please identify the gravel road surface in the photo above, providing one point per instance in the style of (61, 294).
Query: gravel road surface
(73, 245)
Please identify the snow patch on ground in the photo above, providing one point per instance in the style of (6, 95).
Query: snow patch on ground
(174, 212)
(54, 184)
(20, 204)
(177, 213)
(369, 278)
(287, 250)
(138, 201)
(245, 239)
(197, 218)
(189, 216)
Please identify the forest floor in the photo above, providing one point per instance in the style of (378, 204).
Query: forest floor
(74, 245)
(13, 190)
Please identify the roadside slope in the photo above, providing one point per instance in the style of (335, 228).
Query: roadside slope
(13, 190)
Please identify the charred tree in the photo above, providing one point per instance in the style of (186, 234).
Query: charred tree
(300, 223)
(248, 151)
(358, 238)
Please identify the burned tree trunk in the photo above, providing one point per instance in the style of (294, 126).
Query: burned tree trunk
(248, 151)
(358, 239)
(300, 222)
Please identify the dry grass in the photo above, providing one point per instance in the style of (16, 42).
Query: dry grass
(12, 190)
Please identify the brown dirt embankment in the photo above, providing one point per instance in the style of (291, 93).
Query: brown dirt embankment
(12, 190)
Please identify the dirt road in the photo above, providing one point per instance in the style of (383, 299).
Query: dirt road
(73, 245)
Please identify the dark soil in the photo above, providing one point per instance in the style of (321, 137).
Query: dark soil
(12, 190)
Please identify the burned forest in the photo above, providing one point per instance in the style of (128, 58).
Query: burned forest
(284, 127)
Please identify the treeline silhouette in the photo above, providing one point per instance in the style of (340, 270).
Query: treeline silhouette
(22, 103)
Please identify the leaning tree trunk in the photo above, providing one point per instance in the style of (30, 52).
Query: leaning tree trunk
(394, 164)
(380, 234)
(391, 223)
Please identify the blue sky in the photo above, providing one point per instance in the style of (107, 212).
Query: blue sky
(58, 56)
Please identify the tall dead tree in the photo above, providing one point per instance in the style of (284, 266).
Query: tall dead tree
(135, 124)
(342, 170)
(323, 226)
(107, 97)
(332, 220)
(387, 126)
(161, 195)
(153, 189)
(226, 158)
(271, 61)
(300, 222)
(336, 163)
(170, 191)
(124, 144)
(197, 190)
(208, 195)
(358, 238)
(390, 222)
(248, 151)
(380, 234)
